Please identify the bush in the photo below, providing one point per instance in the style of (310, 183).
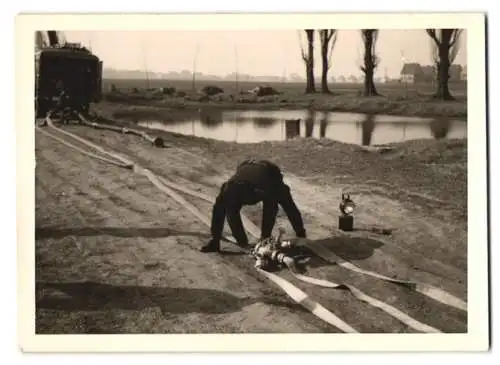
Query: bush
(168, 90)
(264, 91)
(212, 90)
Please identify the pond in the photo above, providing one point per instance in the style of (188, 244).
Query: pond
(251, 126)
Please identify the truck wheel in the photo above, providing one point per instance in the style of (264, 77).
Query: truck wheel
(85, 109)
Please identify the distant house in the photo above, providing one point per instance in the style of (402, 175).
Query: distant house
(411, 72)
(352, 79)
(429, 73)
(463, 76)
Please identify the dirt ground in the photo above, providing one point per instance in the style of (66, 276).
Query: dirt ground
(116, 255)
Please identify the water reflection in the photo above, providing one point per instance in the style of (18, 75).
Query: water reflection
(322, 125)
(292, 128)
(440, 128)
(211, 117)
(368, 125)
(309, 122)
(264, 121)
(364, 129)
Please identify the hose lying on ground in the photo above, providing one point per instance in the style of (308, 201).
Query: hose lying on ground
(156, 141)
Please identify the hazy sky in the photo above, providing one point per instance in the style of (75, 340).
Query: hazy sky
(258, 52)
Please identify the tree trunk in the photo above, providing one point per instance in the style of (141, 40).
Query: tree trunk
(367, 129)
(370, 89)
(324, 73)
(443, 73)
(309, 123)
(310, 87)
(322, 128)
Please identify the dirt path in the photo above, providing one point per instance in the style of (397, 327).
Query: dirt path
(124, 238)
(113, 257)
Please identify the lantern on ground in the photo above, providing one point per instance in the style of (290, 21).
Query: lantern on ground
(346, 219)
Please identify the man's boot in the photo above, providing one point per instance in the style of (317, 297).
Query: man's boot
(211, 246)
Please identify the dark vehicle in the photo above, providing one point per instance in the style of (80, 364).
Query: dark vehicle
(65, 66)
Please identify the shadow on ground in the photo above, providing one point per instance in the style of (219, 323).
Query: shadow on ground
(349, 248)
(158, 232)
(92, 296)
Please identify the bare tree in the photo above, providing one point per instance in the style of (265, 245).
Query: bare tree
(328, 39)
(371, 60)
(445, 48)
(308, 58)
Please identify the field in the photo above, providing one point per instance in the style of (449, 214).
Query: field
(397, 99)
(116, 255)
(457, 88)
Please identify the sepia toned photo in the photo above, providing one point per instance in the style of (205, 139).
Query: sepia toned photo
(295, 180)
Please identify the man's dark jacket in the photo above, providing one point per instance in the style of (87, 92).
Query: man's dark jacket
(253, 182)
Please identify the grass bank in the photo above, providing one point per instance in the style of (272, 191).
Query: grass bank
(403, 103)
(430, 173)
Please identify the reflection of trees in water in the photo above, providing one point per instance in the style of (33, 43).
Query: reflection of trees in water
(309, 122)
(264, 121)
(239, 119)
(322, 125)
(440, 127)
(292, 128)
(211, 117)
(367, 127)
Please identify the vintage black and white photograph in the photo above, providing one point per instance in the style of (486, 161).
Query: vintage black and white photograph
(253, 181)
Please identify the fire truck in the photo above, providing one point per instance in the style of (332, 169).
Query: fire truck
(60, 65)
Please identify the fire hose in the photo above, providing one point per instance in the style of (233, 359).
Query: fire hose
(295, 293)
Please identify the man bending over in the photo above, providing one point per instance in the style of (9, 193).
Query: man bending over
(253, 182)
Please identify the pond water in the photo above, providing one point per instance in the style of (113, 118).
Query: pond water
(251, 126)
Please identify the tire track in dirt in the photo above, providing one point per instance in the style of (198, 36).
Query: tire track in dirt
(265, 310)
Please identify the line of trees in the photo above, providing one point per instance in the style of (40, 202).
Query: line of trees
(445, 48)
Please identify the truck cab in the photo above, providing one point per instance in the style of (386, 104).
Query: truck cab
(68, 64)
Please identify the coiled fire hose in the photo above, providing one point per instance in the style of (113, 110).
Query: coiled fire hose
(295, 293)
